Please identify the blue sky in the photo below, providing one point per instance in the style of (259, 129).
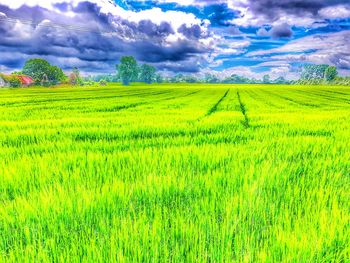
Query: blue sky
(224, 37)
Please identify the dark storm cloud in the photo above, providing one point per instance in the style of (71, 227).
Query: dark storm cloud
(194, 31)
(282, 30)
(180, 51)
(275, 9)
(86, 46)
(278, 31)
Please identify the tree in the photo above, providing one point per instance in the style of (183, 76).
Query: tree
(330, 73)
(103, 82)
(209, 78)
(280, 80)
(190, 79)
(266, 79)
(38, 69)
(42, 72)
(74, 77)
(159, 78)
(147, 73)
(127, 69)
(13, 80)
(236, 79)
(312, 72)
(56, 75)
(178, 78)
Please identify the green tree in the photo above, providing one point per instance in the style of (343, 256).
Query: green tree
(56, 75)
(210, 78)
(312, 72)
(75, 78)
(127, 69)
(147, 73)
(236, 79)
(330, 73)
(159, 78)
(280, 80)
(266, 79)
(42, 72)
(13, 80)
(38, 69)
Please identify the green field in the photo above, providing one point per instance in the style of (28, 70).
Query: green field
(175, 173)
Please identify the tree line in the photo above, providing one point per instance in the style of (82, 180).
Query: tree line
(128, 71)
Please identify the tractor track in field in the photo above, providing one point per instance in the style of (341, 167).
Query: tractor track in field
(134, 105)
(245, 121)
(211, 111)
(214, 109)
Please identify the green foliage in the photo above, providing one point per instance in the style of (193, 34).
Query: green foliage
(159, 78)
(127, 69)
(280, 80)
(235, 79)
(266, 79)
(37, 69)
(313, 72)
(175, 173)
(75, 78)
(330, 73)
(106, 77)
(56, 75)
(12, 80)
(102, 82)
(345, 81)
(43, 73)
(147, 73)
(210, 78)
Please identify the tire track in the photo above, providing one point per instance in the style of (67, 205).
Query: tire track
(214, 109)
(245, 121)
(134, 105)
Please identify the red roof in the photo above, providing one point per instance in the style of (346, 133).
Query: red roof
(25, 80)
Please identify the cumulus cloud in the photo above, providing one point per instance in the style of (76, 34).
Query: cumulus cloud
(174, 35)
(98, 34)
(292, 12)
(284, 71)
(331, 48)
(277, 31)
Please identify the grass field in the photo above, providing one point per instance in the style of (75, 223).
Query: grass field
(175, 173)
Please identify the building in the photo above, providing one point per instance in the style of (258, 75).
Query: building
(25, 80)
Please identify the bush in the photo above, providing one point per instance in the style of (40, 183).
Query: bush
(12, 80)
(88, 83)
(103, 82)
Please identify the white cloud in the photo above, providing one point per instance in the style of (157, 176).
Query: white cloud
(334, 12)
(156, 15)
(274, 72)
(320, 43)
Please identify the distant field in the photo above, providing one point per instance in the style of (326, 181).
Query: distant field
(175, 173)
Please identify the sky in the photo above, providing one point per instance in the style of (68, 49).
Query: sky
(223, 37)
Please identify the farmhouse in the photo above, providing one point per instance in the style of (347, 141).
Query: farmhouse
(25, 80)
